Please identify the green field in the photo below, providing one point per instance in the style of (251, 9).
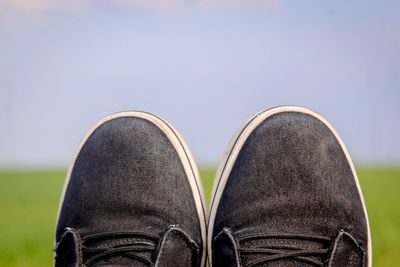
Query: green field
(29, 200)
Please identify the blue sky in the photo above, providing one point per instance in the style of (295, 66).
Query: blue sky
(204, 65)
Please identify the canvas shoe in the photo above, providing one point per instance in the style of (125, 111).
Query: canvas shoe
(286, 194)
(132, 197)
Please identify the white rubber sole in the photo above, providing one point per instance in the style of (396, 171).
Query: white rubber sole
(184, 154)
(233, 149)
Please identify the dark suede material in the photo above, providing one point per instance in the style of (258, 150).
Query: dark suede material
(291, 176)
(129, 177)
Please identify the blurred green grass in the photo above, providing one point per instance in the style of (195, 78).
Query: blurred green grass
(29, 202)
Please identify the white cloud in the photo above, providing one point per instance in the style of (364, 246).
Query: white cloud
(18, 13)
(154, 4)
(267, 4)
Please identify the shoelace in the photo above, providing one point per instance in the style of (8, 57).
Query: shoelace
(281, 250)
(130, 249)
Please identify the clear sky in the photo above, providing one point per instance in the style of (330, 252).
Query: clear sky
(204, 65)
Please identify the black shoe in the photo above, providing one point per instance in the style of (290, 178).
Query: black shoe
(286, 194)
(132, 197)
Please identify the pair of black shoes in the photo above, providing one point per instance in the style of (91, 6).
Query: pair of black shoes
(286, 194)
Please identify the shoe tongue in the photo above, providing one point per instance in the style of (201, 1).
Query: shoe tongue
(119, 261)
(94, 247)
(280, 245)
(276, 242)
(119, 242)
(173, 248)
(233, 247)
